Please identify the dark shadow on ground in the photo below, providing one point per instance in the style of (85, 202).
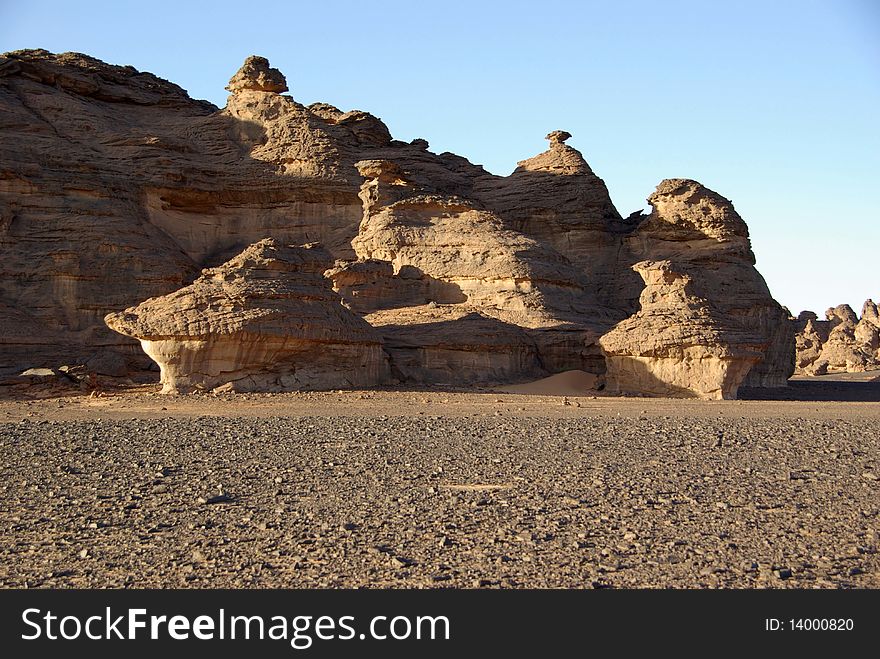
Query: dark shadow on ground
(865, 390)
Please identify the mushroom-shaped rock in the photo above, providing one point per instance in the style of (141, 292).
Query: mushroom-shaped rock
(267, 320)
(557, 137)
(382, 170)
(805, 315)
(700, 230)
(384, 183)
(677, 345)
(256, 75)
(558, 159)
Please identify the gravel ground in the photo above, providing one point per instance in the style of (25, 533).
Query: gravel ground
(642, 500)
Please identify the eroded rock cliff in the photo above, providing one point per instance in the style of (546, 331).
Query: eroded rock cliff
(701, 232)
(116, 187)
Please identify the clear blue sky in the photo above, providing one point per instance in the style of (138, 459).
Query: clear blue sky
(774, 104)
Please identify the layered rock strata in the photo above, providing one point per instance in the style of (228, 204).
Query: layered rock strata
(267, 320)
(485, 274)
(701, 232)
(455, 345)
(678, 344)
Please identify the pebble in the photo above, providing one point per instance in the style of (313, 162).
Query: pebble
(652, 503)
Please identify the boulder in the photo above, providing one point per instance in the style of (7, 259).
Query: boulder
(256, 75)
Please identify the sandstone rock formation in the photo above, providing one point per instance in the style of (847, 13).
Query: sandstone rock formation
(264, 321)
(842, 343)
(556, 199)
(465, 247)
(455, 345)
(703, 234)
(515, 307)
(678, 344)
(256, 75)
(116, 187)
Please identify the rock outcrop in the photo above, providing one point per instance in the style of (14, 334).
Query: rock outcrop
(678, 344)
(455, 345)
(256, 75)
(701, 232)
(556, 199)
(464, 247)
(842, 343)
(116, 186)
(483, 275)
(266, 320)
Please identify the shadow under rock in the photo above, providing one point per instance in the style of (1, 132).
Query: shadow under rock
(819, 389)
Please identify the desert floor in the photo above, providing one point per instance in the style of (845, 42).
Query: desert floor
(430, 488)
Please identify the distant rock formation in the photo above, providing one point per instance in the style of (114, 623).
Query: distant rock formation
(842, 343)
(116, 187)
(264, 321)
(679, 344)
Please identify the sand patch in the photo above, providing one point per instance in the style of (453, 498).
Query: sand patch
(569, 383)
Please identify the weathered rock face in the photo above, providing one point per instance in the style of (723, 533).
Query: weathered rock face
(703, 234)
(456, 345)
(842, 343)
(556, 199)
(115, 187)
(266, 320)
(463, 247)
(369, 285)
(516, 307)
(255, 75)
(678, 344)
